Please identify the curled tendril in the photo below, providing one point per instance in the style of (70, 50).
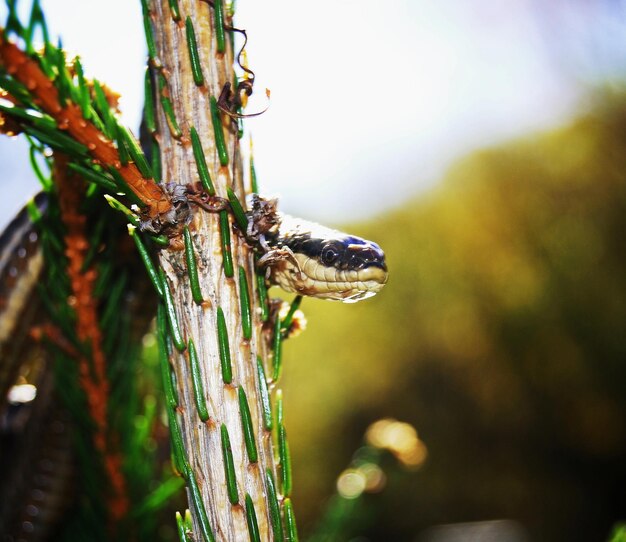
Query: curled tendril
(229, 101)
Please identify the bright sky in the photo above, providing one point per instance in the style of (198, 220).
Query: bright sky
(371, 101)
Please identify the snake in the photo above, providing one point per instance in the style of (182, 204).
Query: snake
(325, 263)
(299, 256)
(309, 259)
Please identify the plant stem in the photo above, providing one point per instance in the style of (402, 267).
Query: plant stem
(203, 442)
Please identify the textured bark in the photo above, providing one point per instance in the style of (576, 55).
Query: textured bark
(199, 322)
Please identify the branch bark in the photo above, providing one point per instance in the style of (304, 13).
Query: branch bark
(203, 440)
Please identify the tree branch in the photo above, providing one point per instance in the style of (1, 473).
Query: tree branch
(230, 477)
(69, 117)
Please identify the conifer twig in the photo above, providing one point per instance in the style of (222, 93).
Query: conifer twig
(69, 117)
(92, 370)
(228, 456)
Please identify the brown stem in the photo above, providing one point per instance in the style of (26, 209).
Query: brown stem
(93, 378)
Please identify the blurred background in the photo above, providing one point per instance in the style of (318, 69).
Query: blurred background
(483, 145)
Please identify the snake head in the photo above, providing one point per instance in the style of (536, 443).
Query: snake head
(328, 264)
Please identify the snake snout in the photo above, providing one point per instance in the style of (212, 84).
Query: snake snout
(365, 255)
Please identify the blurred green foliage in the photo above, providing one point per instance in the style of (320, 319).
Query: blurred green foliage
(500, 336)
(619, 533)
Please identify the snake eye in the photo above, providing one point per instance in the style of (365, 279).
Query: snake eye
(329, 255)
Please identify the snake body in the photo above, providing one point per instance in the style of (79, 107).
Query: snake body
(21, 263)
(37, 463)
